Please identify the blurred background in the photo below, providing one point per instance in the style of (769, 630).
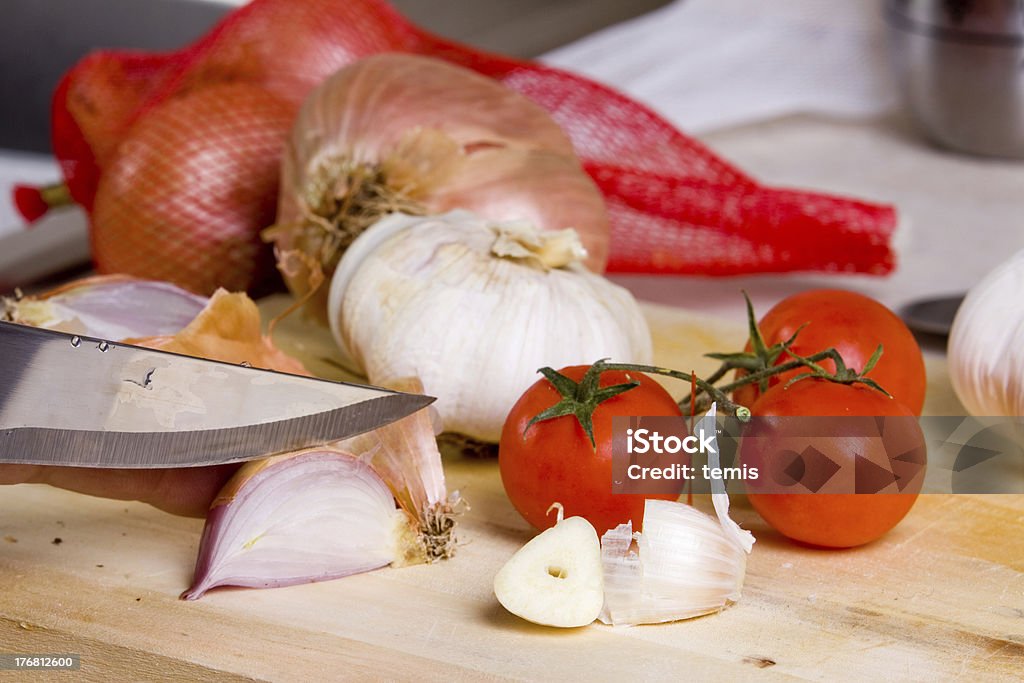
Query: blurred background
(850, 98)
(40, 39)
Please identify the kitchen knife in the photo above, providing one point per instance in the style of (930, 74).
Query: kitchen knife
(87, 402)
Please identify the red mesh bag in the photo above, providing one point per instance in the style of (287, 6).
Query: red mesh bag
(675, 206)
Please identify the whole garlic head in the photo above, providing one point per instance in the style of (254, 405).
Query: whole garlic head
(986, 344)
(473, 308)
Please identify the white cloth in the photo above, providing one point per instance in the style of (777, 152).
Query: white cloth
(711, 64)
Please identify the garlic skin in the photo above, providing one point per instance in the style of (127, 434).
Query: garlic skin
(684, 567)
(473, 308)
(686, 563)
(986, 344)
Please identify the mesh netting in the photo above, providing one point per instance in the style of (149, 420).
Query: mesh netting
(675, 206)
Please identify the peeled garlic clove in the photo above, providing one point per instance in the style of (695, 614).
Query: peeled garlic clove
(555, 579)
(473, 308)
(108, 306)
(308, 516)
(986, 344)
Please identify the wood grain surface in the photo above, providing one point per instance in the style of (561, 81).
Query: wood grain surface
(939, 598)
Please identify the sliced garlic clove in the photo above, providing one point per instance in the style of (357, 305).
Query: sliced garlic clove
(555, 579)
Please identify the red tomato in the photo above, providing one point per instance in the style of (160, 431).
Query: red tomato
(855, 325)
(554, 462)
(836, 520)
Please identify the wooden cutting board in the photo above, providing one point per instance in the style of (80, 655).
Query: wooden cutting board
(941, 596)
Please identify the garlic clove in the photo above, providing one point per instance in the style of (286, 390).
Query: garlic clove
(683, 565)
(555, 579)
(308, 516)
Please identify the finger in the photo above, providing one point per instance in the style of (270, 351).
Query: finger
(18, 474)
(182, 491)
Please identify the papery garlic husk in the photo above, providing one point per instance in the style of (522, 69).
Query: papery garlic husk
(108, 306)
(308, 516)
(685, 564)
(986, 344)
(324, 513)
(399, 132)
(473, 308)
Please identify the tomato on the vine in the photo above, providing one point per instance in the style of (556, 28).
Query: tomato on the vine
(553, 461)
(855, 325)
(893, 462)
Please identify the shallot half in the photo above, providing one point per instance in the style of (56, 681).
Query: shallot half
(112, 307)
(330, 512)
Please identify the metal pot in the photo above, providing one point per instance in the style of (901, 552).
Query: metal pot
(961, 66)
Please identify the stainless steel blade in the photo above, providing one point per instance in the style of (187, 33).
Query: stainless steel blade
(71, 400)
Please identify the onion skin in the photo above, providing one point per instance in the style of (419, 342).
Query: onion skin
(446, 138)
(227, 330)
(108, 306)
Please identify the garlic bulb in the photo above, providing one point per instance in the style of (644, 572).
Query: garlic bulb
(986, 345)
(399, 132)
(473, 308)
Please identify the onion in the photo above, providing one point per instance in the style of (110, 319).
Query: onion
(185, 194)
(330, 512)
(111, 307)
(297, 518)
(415, 134)
(228, 330)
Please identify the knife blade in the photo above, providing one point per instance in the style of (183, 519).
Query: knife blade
(88, 402)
